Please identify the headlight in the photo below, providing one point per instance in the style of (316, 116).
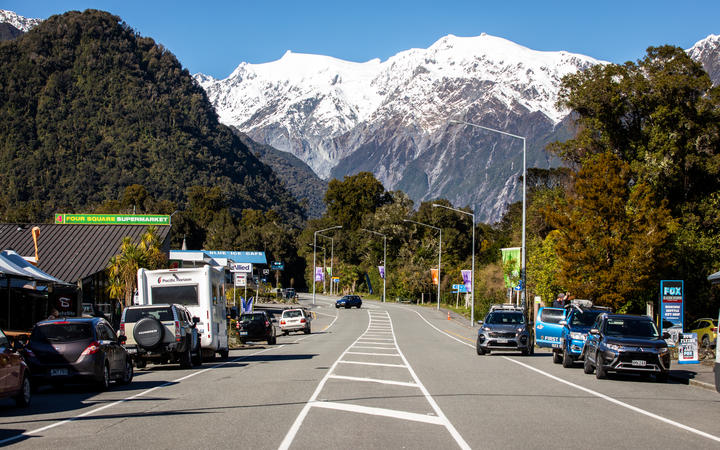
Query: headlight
(520, 330)
(486, 328)
(578, 336)
(663, 350)
(615, 347)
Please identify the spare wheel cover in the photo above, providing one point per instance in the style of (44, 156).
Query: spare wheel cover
(148, 332)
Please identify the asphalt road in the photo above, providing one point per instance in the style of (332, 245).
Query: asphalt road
(383, 376)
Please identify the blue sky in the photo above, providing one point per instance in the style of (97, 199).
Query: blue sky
(213, 37)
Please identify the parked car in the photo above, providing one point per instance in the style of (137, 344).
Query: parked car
(161, 333)
(14, 373)
(296, 319)
(289, 293)
(706, 330)
(256, 326)
(504, 328)
(578, 319)
(548, 328)
(625, 343)
(77, 350)
(348, 301)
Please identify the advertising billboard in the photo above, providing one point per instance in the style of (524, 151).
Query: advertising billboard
(672, 298)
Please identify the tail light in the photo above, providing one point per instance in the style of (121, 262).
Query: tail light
(121, 331)
(267, 324)
(91, 349)
(714, 329)
(177, 331)
(302, 320)
(282, 322)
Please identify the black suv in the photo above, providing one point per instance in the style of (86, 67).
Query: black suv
(256, 326)
(161, 333)
(625, 343)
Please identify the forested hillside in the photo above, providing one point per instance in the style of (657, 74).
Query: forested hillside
(88, 107)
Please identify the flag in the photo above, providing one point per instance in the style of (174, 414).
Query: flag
(434, 275)
(511, 257)
(382, 271)
(467, 279)
(319, 276)
(329, 271)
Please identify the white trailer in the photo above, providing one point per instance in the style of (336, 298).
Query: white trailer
(201, 290)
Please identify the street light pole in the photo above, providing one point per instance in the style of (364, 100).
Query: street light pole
(332, 257)
(472, 282)
(439, 254)
(385, 268)
(524, 208)
(315, 251)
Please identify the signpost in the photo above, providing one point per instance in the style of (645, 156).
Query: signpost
(277, 265)
(688, 349)
(240, 281)
(242, 267)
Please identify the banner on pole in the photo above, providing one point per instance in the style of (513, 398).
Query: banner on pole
(467, 279)
(381, 269)
(511, 259)
(319, 275)
(434, 275)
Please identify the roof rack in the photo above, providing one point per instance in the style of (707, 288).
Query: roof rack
(505, 307)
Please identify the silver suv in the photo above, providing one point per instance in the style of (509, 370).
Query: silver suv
(161, 333)
(504, 328)
(296, 319)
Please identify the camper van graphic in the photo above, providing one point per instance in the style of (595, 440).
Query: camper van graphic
(173, 279)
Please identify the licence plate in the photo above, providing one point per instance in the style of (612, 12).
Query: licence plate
(58, 372)
(131, 351)
(639, 363)
(243, 333)
(502, 341)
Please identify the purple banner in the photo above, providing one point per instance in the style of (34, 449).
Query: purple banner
(382, 271)
(467, 279)
(319, 275)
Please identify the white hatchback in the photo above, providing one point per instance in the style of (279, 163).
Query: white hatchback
(295, 320)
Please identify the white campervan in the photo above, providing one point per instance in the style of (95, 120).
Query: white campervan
(201, 290)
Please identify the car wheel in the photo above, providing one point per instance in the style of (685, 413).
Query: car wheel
(23, 397)
(661, 377)
(525, 352)
(285, 333)
(587, 367)
(224, 353)
(197, 358)
(307, 330)
(706, 341)
(347, 306)
(104, 382)
(479, 350)
(337, 306)
(185, 359)
(141, 363)
(557, 359)
(359, 306)
(128, 373)
(567, 360)
(600, 371)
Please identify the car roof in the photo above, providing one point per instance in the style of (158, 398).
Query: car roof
(93, 320)
(627, 316)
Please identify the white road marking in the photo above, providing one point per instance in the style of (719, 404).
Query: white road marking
(380, 412)
(360, 363)
(374, 380)
(376, 348)
(372, 354)
(590, 391)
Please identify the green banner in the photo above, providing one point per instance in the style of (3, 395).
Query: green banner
(111, 219)
(511, 260)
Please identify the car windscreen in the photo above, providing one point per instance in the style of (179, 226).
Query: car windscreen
(292, 313)
(631, 327)
(183, 295)
(62, 332)
(161, 313)
(252, 318)
(506, 318)
(584, 319)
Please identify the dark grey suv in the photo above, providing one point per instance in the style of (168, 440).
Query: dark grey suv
(504, 328)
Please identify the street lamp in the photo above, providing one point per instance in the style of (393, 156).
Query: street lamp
(472, 282)
(522, 267)
(332, 257)
(439, 253)
(384, 256)
(315, 251)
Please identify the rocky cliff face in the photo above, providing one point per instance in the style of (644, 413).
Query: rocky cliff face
(707, 52)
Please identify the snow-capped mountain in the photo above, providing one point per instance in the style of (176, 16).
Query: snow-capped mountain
(393, 117)
(707, 52)
(23, 24)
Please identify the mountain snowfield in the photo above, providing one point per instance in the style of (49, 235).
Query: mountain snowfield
(301, 102)
(21, 23)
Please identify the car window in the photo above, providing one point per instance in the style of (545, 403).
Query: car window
(61, 332)
(584, 319)
(292, 313)
(552, 315)
(252, 318)
(161, 313)
(183, 295)
(3, 340)
(696, 325)
(111, 336)
(508, 318)
(631, 327)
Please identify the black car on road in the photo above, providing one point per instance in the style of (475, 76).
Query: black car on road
(77, 350)
(626, 343)
(256, 326)
(348, 301)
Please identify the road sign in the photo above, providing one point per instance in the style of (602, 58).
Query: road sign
(240, 279)
(266, 271)
(459, 288)
(277, 265)
(242, 267)
(335, 279)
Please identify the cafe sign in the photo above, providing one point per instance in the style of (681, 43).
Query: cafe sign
(112, 219)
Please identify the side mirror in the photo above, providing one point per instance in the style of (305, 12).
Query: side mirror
(196, 320)
(480, 322)
(562, 322)
(594, 331)
(666, 335)
(122, 339)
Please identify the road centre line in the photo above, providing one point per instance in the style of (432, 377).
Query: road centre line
(374, 380)
(380, 412)
(594, 393)
(360, 363)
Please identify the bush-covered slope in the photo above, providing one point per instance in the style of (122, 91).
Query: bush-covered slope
(88, 106)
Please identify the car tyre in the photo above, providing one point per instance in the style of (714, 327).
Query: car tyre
(557, 359)
(224, 353)
(23, 397)
(587, 366)
(480, 350)
(567, 360)
(307, 330)
(141, 363)
(128, 373)
(525, 352)
(197, 358)
(600, 371)
(104, 382)
(185, 359)
(706, 341)
(661, 377)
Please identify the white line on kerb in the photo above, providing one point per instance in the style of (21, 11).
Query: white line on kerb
(590, 391)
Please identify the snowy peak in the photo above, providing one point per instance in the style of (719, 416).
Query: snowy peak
(707, 53)
(21, 23)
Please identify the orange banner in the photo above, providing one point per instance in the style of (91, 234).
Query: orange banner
(434, 275)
